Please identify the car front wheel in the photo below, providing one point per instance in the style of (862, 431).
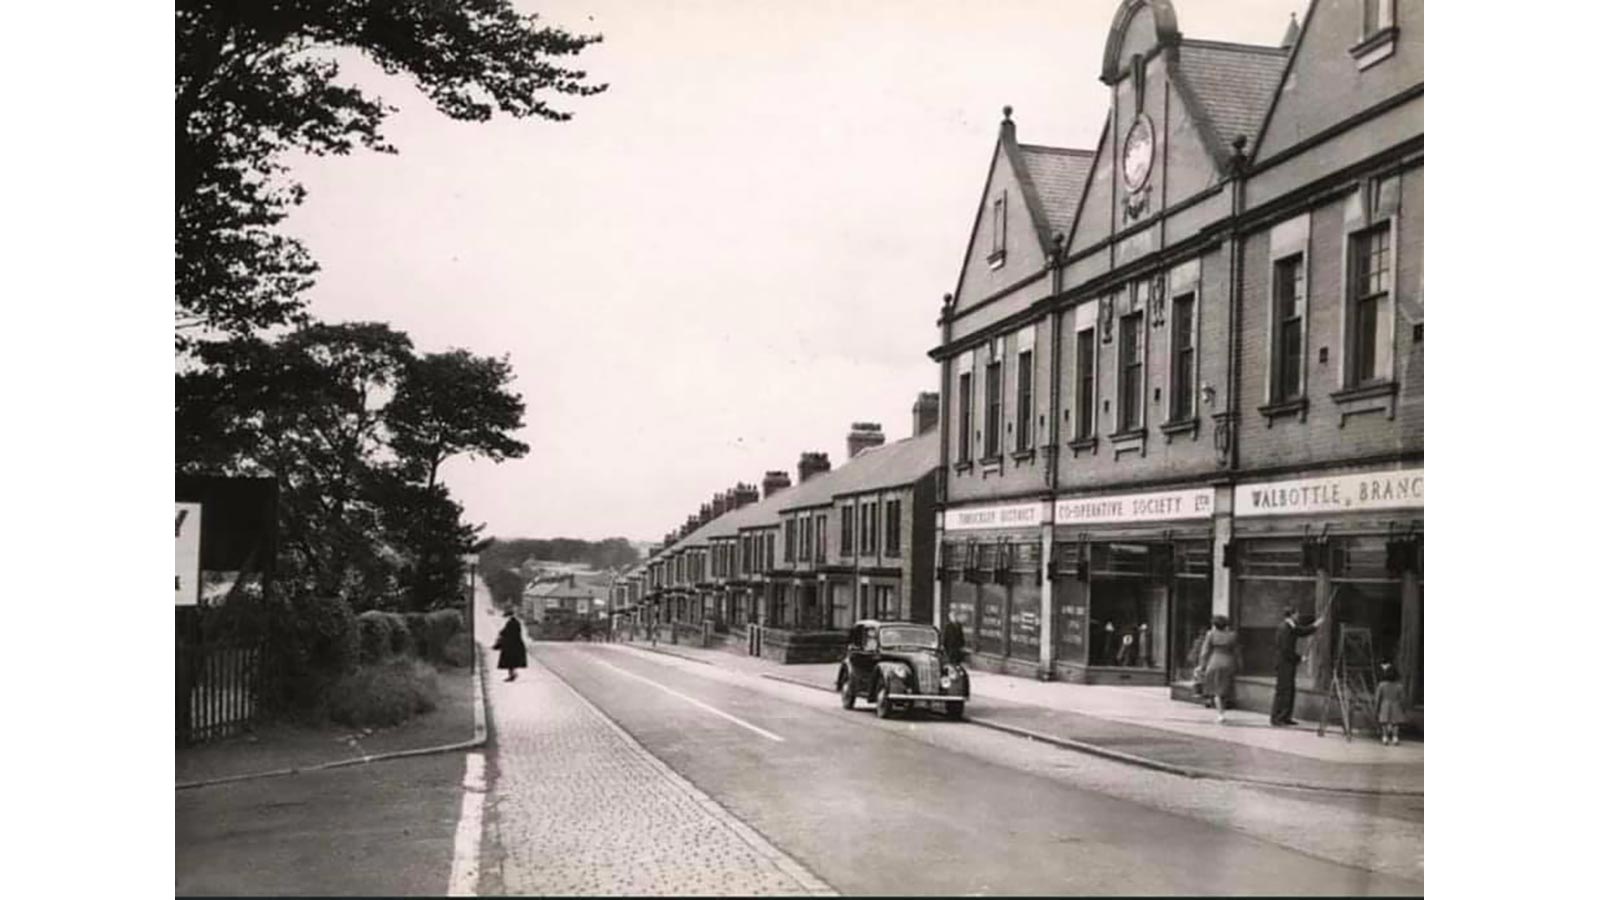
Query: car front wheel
(847, 693)
(883, 699)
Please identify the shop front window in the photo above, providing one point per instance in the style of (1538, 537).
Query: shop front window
(991, 618)
(961, 599)
(1128, 605)
(1071, 598)
(1024, 620)
(1362, 592)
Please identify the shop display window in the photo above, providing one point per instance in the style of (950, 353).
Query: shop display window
(1024, 618)
(1071, 598)
(1128, 605)
(961, 606)
(991, 609)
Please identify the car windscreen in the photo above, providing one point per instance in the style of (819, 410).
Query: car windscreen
(908, 636)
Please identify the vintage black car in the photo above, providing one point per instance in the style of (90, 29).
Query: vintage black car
(901, 666)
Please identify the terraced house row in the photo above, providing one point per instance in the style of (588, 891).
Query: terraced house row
(805, 560)
(1180, 375)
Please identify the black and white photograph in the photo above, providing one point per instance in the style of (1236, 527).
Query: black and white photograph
(799, 448)
(729, 448)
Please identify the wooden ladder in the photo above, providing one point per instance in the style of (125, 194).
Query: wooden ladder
(1355, 680)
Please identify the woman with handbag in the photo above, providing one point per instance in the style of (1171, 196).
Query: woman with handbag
(513, 652)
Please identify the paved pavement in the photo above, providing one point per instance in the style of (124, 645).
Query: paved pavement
(1144, 723)
(576, 806)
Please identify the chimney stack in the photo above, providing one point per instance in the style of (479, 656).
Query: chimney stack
(863, 435)
(719, 504)
(744, 495)
(812, 463)
(925, 413)
(774, 482)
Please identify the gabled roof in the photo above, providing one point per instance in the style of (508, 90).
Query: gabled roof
(1056, 177)
(889, 466)
(1228, 88)
(1051, 180)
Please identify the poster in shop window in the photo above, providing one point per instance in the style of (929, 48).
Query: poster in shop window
(1025, 622)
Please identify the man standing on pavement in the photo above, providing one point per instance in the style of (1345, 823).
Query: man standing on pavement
(1288, 658)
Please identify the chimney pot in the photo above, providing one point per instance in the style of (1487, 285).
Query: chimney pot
(773, 482)
(813, 463)
(862, 435)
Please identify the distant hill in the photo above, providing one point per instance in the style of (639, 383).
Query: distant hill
(511, 553)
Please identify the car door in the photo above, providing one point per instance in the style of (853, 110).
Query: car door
(864, 657)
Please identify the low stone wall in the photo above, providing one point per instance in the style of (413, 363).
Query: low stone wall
(795, 647)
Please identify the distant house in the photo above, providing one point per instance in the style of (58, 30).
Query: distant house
(563, 592)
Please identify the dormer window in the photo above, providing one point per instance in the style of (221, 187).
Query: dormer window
(997, 232)
(1378, 33)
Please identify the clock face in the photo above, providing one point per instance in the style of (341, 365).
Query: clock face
(1138, 149)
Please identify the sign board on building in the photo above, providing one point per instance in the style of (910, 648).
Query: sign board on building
(187, 580)
(1398, 489)
(1013, 515)
(1158, 506)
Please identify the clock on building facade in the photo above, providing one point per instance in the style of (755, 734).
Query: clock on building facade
(1138, 154)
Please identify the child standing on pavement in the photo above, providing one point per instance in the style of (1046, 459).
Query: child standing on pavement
(1391, 701)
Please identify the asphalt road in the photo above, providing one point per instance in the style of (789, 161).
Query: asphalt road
(921, 805)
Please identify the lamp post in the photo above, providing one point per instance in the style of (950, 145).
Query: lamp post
(472, 601)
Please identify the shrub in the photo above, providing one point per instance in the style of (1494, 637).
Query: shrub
(400, 643)
(314, 639)
(417, 629)
(375, 629)
(384, 694)
(458, 651)
(442, 625)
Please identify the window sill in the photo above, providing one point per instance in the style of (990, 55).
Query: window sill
(1022, 456)
(1078, 445)
(1283, 409)
(1190, 427)
(997, 259)
(1367, 398)
(1375, 48)
(1129, 441)
(991, 464)
(965, 466)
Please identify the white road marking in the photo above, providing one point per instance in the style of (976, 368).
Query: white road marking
(469, 831)
(685, 697)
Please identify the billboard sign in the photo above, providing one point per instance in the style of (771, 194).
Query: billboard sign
(187, 580)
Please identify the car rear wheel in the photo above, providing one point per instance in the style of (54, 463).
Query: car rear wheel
(955, 710)
(883, 699)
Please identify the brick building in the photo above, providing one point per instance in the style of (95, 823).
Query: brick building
(771, 577)
(1182, 371)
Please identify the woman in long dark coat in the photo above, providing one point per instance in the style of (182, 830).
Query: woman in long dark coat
(513, 652)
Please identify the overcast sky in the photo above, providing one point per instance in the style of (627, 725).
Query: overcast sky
(727, 257)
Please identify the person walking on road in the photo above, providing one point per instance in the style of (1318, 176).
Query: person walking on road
(1286, 650)
(1219, 662)
(513, 652)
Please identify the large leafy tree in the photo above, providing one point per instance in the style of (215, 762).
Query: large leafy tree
(259, 79)
(353, 424)
(454, 403)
